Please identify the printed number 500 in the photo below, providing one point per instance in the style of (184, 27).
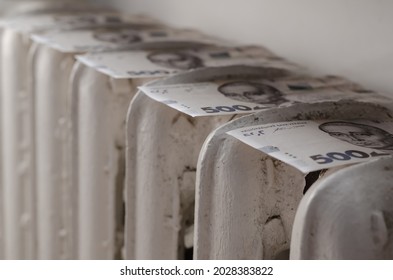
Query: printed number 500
(347, 155)
(226, 109)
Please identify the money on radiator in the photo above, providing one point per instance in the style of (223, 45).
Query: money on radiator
(315, 145)
(159, 63)
(242, 96)
(116, 37)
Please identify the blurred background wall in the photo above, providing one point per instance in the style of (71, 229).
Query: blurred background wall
(353, 38)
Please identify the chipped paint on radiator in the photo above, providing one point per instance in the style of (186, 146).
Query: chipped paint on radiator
(345, 216)
(238, 187)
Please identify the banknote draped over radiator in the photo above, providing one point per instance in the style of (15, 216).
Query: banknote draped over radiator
(316, 145)
(244, 96)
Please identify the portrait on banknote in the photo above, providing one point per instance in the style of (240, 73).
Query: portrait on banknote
(253, 92)
(175, 60)
(117, 36)
(362, 135)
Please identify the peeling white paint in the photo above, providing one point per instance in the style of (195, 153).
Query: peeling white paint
(99, 105)
(17, 158)
(54, 192)
(347, 215)
(18, 174)
(162, 148)
(244, 199)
